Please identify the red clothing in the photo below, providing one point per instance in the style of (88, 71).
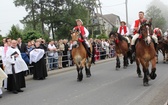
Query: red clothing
(81, 29)
(137, 23)
(123, 27)
(157, 32)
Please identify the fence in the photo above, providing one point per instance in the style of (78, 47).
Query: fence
(99, 55)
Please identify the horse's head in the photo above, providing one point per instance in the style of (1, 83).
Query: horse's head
(113, 35)
(146, 28)
(75, 35)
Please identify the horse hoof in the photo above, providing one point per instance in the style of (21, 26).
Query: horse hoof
(125, 67)
(88, 76)
(139, 75)
(145, 84)
(153, 76)
(79, 80)
(117, 68)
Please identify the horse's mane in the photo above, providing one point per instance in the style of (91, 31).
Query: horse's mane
(121, 38)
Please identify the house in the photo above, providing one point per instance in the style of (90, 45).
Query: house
(108, 22)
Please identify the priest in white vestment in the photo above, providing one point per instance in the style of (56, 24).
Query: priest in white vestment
(14, 68)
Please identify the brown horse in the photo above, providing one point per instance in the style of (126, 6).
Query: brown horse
(121, 47)
(145, 53)
(162, 47)
(80, 57)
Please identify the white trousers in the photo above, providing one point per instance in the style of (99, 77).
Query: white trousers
(134, 39)
(155, 38)
(87, 42)
(127, 39)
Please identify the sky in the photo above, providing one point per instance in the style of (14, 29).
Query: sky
(10, 15)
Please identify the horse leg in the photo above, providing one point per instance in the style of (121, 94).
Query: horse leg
(145, 79)
(164, 58)
(80, 74)
(117, 62)
(153, 74)
(145, 66)
(157, 56)
(129, 53)
(87, 68)
(125, 61)
(78, 78)
(138, 68)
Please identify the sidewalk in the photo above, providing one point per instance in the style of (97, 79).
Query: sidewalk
(58, 71)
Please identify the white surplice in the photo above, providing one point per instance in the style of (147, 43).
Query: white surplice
(18, 62)
(36, 55)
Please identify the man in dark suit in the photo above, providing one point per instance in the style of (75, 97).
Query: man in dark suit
(21, 46)
(23, 50)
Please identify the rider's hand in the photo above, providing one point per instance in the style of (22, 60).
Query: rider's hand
(136, 28)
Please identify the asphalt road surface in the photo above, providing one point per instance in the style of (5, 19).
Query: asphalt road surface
(106, 87)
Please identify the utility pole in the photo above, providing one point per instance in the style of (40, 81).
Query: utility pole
(42, 15)
(126, 8)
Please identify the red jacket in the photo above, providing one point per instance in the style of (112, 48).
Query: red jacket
(125, 29)
(81, 29)
(137, 23)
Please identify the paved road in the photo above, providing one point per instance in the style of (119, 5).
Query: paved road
(106, 87)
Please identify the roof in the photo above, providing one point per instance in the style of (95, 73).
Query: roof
(111, 18)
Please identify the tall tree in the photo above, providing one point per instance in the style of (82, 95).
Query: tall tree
(14, 33)
(157, 18)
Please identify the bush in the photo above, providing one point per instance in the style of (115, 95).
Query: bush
(102, 36)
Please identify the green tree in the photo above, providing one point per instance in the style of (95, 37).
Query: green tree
(14, 33)
(156, 14)
(58, 15)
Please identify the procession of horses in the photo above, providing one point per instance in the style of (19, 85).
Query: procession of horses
(145, 55)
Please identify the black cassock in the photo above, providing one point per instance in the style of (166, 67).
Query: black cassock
(39, 69)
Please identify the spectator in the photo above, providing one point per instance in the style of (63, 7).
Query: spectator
(65, 53)
(107, 45)
(29, 49)
(93, 50)
(70, 50)
(61, 48)
(51, 50)
(23, 50)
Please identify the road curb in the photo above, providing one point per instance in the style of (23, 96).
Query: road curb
(59, 71)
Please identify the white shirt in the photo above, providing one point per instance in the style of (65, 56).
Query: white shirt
(86, 32)
(51, 47)
(122, 31)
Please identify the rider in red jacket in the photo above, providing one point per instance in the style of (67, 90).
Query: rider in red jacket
(84, 35)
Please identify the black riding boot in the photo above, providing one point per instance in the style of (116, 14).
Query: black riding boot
(129, 46)
(87, 49)
(133, 48)
(155, 45)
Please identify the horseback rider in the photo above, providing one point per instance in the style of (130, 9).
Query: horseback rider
(84, 33)
(124, 31)
(135, 28)
(156, 34)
